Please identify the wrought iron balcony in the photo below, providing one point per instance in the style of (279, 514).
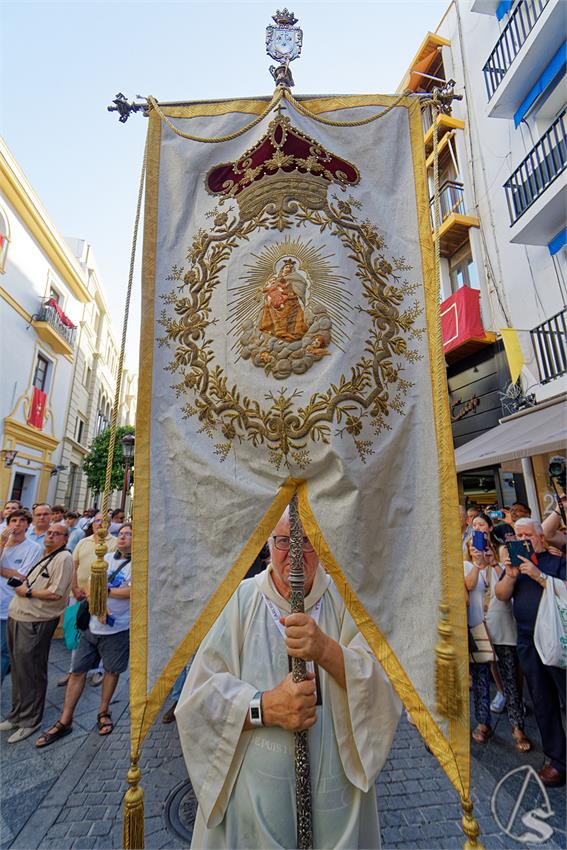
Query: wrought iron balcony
(545, 162)
(550, 345)
(57, 320)
(521, 23)
(451, 200)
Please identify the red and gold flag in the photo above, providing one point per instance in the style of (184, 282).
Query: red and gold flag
(37, 409)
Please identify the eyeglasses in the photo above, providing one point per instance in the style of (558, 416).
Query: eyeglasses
(281, 542)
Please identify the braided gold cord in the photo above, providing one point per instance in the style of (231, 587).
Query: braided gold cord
(360, 123)
(98, 596)
(277, 96)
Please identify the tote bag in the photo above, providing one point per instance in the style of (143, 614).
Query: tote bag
(550, 633)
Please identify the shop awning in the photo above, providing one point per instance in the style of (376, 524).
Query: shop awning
(531, 432)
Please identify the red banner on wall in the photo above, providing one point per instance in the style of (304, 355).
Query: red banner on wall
(37, 409)
(460, 318)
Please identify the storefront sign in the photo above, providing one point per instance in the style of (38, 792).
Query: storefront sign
(458, 409)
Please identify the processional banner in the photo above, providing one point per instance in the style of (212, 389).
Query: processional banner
(291, 343)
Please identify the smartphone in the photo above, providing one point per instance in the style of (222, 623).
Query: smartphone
(110, 620)
(496, 514)
(517, 548)
(479, 541)
(13, 581)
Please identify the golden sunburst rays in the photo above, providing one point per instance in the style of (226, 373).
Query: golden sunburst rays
(324, 287)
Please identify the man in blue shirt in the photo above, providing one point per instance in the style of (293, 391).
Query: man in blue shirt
(524, 585)
(41, 519)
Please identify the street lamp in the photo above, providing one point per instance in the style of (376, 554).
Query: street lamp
(127, 441)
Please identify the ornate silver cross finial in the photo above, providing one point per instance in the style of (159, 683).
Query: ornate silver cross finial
(283, 43)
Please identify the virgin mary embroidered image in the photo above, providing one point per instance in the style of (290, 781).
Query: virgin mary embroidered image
(284, 302)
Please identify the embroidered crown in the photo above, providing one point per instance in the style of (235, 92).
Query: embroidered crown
(284, 164)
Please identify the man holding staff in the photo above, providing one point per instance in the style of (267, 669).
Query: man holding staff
(240, 707)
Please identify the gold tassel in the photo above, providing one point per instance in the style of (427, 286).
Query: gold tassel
(470, 826)
(98, 594)
(446, 684)
(133, 836)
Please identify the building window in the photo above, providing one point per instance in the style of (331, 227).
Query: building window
(79, 429)
(88, 376)
(72, 481)
(40, 374)
(463, 270)
(4, 240)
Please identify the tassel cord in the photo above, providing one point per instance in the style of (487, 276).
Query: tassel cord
(98, 596)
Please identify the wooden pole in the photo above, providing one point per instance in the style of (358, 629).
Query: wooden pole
(299, 672)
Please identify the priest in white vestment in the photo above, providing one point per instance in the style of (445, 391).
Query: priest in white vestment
(242, 772)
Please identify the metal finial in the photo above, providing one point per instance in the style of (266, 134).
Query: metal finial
(124, 108)
(283, 43)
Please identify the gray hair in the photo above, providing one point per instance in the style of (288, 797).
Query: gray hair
(526, 521)
(284, 516)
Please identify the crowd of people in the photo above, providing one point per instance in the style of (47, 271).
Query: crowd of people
(45, 565)
(503, 592)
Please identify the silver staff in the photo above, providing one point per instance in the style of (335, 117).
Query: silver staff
(299, 672)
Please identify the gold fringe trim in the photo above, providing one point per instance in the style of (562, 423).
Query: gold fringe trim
(470, 826)
(133, 835)
(446, 677)
(98, 595)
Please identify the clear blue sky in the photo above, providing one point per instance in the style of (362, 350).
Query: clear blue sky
(63, 62)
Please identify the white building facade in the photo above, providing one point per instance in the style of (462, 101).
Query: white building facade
(93, 385)
(42, 296)
(503, 176)
(58, 352)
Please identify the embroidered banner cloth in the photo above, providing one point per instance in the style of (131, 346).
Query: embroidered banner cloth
(291, 341)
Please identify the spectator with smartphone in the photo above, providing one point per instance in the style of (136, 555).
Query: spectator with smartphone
(17, 557)
(501, 627)
(523, 582)
(477, 584)
(33, 615)
(108, 639)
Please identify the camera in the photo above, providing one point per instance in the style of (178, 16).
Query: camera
(557, 469)
(14, 582)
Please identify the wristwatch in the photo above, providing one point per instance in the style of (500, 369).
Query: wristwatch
(255, 710)
(29, 592)
(542, 576)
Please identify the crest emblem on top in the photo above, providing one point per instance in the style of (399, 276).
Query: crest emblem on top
(283, 43)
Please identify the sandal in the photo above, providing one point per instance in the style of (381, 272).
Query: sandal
(482, 733)
(46, 738)
(521, 741)
(104, 724)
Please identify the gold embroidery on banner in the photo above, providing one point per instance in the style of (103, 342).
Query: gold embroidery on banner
(360, 402)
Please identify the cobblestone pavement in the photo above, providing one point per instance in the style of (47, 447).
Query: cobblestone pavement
(70, 794)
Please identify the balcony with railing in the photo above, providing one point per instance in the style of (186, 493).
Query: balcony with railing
(54, 327)
(550, 345)
(455, 224)
(534, 31)
(537, 185)
(521, 23)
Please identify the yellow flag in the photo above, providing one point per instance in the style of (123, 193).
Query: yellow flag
(514, 352)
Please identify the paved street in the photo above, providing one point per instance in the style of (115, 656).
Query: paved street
(70, 794)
